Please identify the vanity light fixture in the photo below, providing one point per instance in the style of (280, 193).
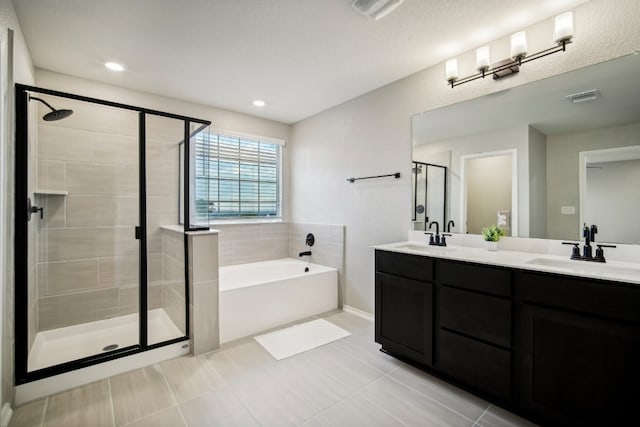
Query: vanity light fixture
(562, 35)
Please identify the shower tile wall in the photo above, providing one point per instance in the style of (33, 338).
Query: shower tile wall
(87, 256)
(87, 266)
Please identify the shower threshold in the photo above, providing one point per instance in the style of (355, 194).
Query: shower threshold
(61, 345)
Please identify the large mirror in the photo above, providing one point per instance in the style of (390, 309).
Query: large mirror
(541, 159)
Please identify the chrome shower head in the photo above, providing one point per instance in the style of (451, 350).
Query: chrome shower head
(54, 114)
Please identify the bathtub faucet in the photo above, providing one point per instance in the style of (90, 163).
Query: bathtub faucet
(305, 253)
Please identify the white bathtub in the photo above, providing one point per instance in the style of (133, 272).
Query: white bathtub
(262, 295)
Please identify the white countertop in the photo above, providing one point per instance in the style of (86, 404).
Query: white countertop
(626, 272)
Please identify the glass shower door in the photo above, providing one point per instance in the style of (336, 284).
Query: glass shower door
(83, 263)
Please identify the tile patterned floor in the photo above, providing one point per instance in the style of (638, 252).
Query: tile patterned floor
(345, 383)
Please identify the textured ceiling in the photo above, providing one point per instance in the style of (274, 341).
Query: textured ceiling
(300, 56)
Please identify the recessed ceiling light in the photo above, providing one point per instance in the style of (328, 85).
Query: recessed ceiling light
(114, 66)
(259, 103)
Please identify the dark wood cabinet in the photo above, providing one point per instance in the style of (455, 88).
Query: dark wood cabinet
(558, 349)
(579, 350)
(578, 369)
(404, 310)
(473, 318)
(404, 306)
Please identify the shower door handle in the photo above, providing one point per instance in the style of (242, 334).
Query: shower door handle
(138, 232)
(31, 209)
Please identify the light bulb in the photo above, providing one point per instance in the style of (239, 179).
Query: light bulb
(518, 45)
(563, 28)
(483, 58)
(451, 70)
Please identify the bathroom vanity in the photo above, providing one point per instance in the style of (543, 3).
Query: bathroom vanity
(557, 343)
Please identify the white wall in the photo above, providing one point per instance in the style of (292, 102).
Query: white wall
(371, 135)
(537, 183)
(23, 71)
(613, 200)
(16, 67)
(562, 173)
(515, 138)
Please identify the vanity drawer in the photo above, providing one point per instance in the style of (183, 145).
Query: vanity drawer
(482, 316)
(479, 365)
(475, 277)
(610, 299)
(415, 267)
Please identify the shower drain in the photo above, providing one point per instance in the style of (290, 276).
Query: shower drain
(110, 347)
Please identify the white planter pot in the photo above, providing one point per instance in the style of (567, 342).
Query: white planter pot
(491, 246)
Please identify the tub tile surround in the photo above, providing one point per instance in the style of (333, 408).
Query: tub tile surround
(245, 243)
(241, 384)
(328, 248)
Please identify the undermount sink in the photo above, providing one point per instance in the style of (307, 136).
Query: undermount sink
(585, 266)
(425, 248)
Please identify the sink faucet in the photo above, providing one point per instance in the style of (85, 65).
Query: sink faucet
(436, 237)
(450, 224)
(586, 249)
(589, 234)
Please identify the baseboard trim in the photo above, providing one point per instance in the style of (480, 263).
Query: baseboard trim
(5, 414)
(358, 312)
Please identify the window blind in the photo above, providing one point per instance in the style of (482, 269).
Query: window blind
(237, 177)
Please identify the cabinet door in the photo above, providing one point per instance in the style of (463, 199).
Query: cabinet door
(577, 367)
(404, 317)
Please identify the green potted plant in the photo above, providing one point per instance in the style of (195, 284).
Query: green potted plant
(491, 236)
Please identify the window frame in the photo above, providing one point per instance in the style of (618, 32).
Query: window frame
(247, 219)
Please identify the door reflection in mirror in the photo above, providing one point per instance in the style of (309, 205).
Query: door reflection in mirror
(487, 191)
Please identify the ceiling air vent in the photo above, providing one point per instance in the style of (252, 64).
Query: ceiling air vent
(585, 96)
(376, 9)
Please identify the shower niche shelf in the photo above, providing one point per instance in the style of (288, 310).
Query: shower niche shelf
(50, 193)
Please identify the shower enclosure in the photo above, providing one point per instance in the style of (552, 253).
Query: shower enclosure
(429, 194)
(97, 277)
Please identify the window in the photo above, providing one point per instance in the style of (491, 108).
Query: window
(237, 177)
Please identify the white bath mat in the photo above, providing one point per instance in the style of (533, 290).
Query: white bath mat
(300, 338)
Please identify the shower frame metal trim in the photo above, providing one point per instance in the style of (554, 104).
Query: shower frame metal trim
(21, 301)
(426, 193)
